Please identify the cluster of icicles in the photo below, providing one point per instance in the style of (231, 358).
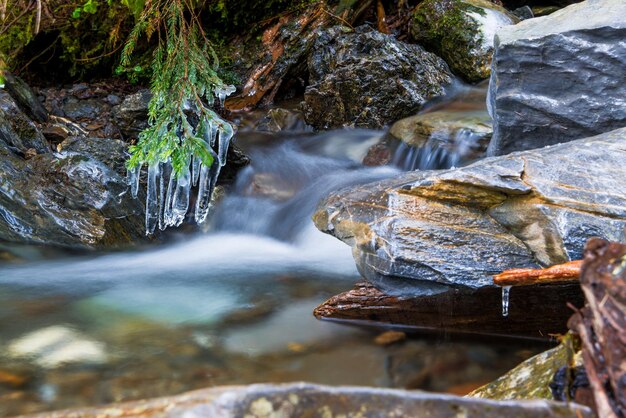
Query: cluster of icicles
(168, 206)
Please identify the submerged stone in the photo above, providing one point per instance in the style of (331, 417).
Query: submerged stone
(303, 399)
(462, 226)
(560, 77)
(461, 32)
(364, 78)
(55, 346)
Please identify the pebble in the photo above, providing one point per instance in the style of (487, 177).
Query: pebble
(56, 345)
(390, 337)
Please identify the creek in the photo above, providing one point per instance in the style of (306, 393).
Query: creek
(228, 305)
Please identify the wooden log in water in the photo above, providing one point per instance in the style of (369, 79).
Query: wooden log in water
(534, 311)
(568, 272)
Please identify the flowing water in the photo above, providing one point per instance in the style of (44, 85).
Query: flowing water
(232, 305)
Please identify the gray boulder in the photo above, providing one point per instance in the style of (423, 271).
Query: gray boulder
(17, 131)
(423, 230)
(560, 77)
(364, 78)
(69, 199)
(25, 97)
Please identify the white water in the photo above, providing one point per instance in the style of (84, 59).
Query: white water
(255, 237)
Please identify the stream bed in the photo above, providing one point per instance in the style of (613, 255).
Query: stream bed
(228, 304)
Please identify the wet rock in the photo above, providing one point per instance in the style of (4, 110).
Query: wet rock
(57, 345)
(302, 399)
(532, 378)
(25, 98)
(417, 130)
(280, 119)
(523, 13)
(461, 32)
(83, 109)
(17, 131)
(560, 77)
(67, 199)
(422, 230)
(367, 79)
(131, 116)
(111, 152)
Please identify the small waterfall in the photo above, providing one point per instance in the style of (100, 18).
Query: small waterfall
(442, 150)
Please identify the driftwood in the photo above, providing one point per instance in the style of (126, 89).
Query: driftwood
(567, 272)
(534, 311)
(601, 325)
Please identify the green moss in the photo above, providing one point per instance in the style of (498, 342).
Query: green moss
(449, 28)
(531, 379)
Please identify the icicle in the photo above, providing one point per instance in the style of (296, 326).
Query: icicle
(180, 202)
(169, 200)
(226, 133)
(222, 91)
(152, 204)
(206, 185)
(506, 290)
(212, 133)
(195, 170)
(162, 195)
(132, 178)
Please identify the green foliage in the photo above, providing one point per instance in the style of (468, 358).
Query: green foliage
(184, 77)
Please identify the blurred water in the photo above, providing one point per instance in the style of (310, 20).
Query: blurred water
(229, 306)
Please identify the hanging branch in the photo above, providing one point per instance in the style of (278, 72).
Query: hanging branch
(182, 127)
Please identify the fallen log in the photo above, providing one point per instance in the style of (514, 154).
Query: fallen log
(601, 325)
(534, 311)
(568, 272)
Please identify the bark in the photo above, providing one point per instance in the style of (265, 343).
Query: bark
(601, 325)
(525, 277)
(534, 311)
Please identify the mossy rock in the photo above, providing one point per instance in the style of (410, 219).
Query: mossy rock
(461, 32)
(531, 379)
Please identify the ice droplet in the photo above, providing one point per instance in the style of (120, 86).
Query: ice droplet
(206, 185)
(223, 91)
(506, 290)
(195, 170)
(226, 134)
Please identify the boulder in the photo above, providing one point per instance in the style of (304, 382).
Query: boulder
(25, 97)
(74, 198)
(422, 231)
(18, 131)
(560, 77)
(367, 79)
(461, 32)
(303, 399)
(532, 379)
